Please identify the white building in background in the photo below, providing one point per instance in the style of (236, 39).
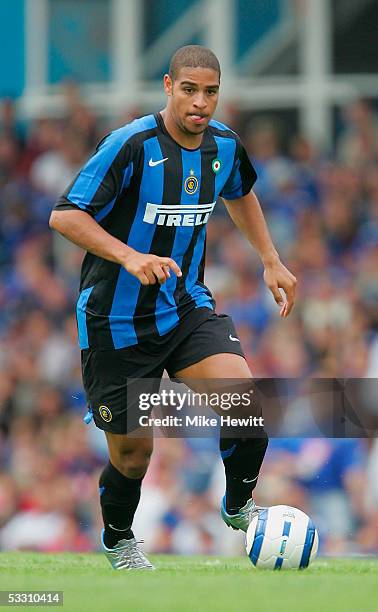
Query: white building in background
(281, 54)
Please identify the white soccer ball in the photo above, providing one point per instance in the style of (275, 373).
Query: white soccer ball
(281, 537)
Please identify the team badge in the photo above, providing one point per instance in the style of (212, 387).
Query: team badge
(105, 413)
(216, 165)
(191, 183)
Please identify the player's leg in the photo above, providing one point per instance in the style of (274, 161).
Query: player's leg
(212, 351)
(120, 487)
(242, 457)
(112, 395)
(120, 484)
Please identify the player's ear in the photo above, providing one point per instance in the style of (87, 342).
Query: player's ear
(168, 85)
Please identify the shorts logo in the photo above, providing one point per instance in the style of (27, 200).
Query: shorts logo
(216, 165)
(181, 215)
(235, 340)
(105, 413)
(191, 184)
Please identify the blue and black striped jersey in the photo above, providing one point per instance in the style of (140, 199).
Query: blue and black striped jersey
(156, 196)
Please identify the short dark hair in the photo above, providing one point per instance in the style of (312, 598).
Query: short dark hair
(193, 56)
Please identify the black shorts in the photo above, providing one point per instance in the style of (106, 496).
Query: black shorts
(107, 373)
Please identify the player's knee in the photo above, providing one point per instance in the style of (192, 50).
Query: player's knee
(137, 465)
(134, 463)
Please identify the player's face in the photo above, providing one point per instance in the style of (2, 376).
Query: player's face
(192, 98)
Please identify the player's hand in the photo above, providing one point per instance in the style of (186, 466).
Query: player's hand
(276, 277)
(150, 269)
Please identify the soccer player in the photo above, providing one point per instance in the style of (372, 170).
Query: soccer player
(139, 207)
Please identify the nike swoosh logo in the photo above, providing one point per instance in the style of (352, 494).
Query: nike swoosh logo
(115, 528)
(157, 162)
(233, 339)
(252, 479)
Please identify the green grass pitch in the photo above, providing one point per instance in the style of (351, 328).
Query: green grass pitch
(193, 584)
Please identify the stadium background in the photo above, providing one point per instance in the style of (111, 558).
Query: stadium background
(299, 84)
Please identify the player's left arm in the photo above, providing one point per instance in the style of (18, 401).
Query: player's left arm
(247, 215)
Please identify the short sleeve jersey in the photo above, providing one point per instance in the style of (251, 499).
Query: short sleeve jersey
(145, 189)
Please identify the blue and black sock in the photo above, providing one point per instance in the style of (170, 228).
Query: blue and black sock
(242, 459)
(119, 498)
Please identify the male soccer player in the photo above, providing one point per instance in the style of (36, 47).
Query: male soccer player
(139, 207)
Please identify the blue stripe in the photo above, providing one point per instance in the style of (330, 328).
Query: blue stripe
(82, 317)
(125, 183)
(234, 187)
(259, 536)
(94, 171)
(278, 563)
(140, 238)
(285, 533)
(127, 174)
(228, 452)
(101, 490)
(201, 298)
(219, 125)
(307, 547)
(226, 154)
(197, 292)
(104, 211)
(286, 529)
(166, 309)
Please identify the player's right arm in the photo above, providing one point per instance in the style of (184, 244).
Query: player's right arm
(97, 185)
(80, 228)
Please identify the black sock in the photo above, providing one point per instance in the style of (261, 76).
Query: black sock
(119, 498)
(242, 459)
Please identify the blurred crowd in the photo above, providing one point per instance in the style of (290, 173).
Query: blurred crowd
(322, 210)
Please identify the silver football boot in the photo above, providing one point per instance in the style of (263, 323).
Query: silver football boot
(242, 519)
(126, 555)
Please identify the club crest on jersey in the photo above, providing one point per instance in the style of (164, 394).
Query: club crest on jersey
(181, 215)
(105, 413)
(216, 165)
(191, 184)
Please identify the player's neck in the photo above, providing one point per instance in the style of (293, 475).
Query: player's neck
(188, 141)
